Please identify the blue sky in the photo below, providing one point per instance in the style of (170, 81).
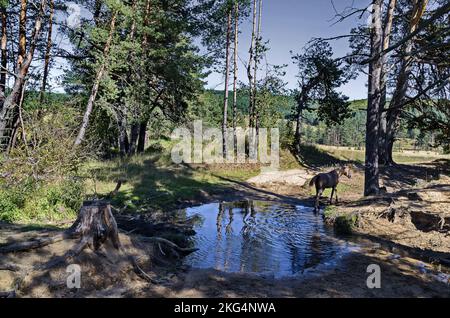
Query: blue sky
(289, 25)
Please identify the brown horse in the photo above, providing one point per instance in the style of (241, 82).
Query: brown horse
(328, 180)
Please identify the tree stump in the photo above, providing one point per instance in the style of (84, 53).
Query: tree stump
(95, 225)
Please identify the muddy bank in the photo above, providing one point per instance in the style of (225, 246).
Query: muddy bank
(416, 218)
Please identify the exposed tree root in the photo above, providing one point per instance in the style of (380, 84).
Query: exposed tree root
(183, 250)
(8, 294)
(140, 272)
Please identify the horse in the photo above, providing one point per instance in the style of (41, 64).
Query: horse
(328, 180)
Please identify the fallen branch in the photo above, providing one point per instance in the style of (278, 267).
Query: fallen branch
(8, 294)
(33, 244)
(9, 267)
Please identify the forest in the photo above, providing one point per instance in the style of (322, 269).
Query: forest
(91, 92)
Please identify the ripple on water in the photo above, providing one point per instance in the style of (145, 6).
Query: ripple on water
(261, 237)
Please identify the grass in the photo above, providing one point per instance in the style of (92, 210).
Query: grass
(342, 224)
(356, 155)
(341, 188)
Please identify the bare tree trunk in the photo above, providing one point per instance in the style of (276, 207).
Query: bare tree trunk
(21, 72)
(255, 71)
(301, 103)
(22, 32)
(47, 52)
(97, 80)
(225, 99)
(124, 145)
(142, 136)
(249, 67)
(386, 39)
(401, 88)
(235, 73)
(371, 180)
(134, 135)
(20, 59)
(4, 56)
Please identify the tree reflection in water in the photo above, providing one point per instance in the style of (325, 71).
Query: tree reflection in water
(252, 236)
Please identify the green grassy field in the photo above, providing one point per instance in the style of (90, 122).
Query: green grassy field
(352, 154)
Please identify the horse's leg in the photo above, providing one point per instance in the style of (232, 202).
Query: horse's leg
(318, 194)
(332, 193)
(336, 195)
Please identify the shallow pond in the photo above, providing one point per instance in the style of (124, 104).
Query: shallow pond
(263, 238)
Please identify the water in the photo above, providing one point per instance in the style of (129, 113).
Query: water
(262, 238)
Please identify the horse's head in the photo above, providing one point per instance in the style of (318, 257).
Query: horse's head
(346, 171)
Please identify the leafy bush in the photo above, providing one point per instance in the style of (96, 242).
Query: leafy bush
(10, 205)
(52, 202)
(40, 175)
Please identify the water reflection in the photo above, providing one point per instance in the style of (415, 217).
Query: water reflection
(258, 237)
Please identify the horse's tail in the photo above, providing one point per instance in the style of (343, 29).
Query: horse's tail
(312, 181)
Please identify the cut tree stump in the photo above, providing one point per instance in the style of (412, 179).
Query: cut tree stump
(94, 225)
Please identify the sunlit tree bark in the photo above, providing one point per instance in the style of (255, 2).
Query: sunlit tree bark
(371, 180)
(227, 76)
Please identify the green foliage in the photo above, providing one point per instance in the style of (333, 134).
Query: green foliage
(40, 175)
(50, 202)
(45, 151)
(343, 224)
(319, 77)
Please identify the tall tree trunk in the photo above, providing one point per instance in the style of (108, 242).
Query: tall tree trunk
(97, 80)
(4, 56)
(249, 67)
(21, 72)
(235, 73)
(142, 136)
(22, 32)
(301, 103)
(47, 52)
(134, 135)
(386, 39)
(225, 99)
(401, 88)
(371, 180)
(22, 50)
(255, 71)
(124, 145)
